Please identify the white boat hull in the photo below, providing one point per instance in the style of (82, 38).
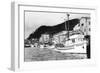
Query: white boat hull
(74, 48)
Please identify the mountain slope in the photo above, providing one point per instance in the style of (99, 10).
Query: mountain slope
(53, 29)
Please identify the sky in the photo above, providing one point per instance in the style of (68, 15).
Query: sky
(35, 19)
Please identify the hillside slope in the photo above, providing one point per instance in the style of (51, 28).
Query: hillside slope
(53, 29)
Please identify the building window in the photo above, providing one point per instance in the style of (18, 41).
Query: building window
(89, 22)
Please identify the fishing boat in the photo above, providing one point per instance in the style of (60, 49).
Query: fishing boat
(73, 42)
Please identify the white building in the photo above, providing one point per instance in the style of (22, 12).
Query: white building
(59, 37)
(45, 38)
(84, 25)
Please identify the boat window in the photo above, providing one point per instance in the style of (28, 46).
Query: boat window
(83, 47)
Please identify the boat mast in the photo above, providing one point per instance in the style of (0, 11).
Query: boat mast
(67, 27)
